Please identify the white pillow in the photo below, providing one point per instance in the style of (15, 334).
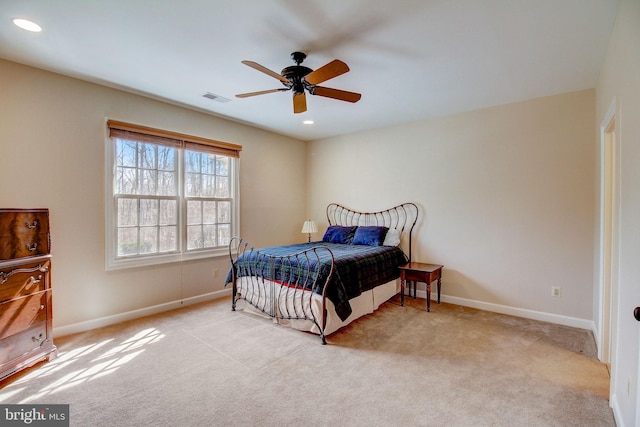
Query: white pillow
(392, 238)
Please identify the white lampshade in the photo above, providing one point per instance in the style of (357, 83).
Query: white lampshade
(309, 227)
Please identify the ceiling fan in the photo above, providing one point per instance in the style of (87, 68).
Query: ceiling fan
(299, 78)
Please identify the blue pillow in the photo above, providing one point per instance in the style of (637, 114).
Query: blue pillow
(370, 236)
(339, 234)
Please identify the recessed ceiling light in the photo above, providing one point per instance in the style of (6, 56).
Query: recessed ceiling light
(25, 24)
(308, 122)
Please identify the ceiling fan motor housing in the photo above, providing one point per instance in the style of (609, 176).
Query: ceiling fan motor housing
(295, 74)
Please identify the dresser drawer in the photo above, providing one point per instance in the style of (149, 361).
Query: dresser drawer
(32, 339)
(13, 247)
(21, 314)
(24, 233)
(24, 279)
(18, 221)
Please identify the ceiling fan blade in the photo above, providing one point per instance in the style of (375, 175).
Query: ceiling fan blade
(326, 72)
(341, 95)
(265, 70)
(299, 102)
(262, 92)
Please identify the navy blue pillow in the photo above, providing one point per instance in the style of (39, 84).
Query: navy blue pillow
(370, 236)
(338, 234)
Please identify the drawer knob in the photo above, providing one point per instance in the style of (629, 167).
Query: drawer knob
(32, 225)
(32, 247)
(34, 281)
(37, 339)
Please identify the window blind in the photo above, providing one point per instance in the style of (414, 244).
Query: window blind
(147, 134)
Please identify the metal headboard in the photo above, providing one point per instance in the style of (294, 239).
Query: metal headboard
(402, 218)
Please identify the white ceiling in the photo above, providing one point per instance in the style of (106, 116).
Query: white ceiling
(410, 59)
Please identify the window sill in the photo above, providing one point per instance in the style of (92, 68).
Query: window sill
(141, 261)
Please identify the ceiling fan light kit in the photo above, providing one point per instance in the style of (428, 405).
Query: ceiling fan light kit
(300, 79)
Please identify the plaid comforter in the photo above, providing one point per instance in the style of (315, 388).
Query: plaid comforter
(358, 269)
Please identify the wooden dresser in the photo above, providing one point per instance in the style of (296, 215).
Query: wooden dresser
(25, 290)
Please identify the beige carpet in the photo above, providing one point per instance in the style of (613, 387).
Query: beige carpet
(205, 365)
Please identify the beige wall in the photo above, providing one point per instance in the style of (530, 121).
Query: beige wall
(619, 85)
(506, 193)
(506, 196)
(52, 155)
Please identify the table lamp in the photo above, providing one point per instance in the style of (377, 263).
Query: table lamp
(309, 227)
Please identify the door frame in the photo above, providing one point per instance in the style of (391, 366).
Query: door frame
(608, 260)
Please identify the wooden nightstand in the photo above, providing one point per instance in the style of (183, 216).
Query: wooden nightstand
(420, 272)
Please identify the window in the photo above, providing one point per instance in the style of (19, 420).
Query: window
(169, 196)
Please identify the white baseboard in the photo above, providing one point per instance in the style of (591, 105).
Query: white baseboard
(596, 336)
(480, 305)
(134, 314)
(613, 404)
(514, 311)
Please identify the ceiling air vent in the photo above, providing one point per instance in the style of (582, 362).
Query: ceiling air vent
(215, 97)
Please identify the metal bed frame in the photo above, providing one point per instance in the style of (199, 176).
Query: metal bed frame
(402, 217)
(287, 296)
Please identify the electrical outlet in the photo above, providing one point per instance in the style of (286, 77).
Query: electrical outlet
(214, 272)
(556, 291)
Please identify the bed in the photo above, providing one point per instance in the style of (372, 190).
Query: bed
(322, 286)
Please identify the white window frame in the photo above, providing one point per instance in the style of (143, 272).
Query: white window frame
(113, 262)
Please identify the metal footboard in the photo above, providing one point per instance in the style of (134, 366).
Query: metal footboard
(281, 287)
